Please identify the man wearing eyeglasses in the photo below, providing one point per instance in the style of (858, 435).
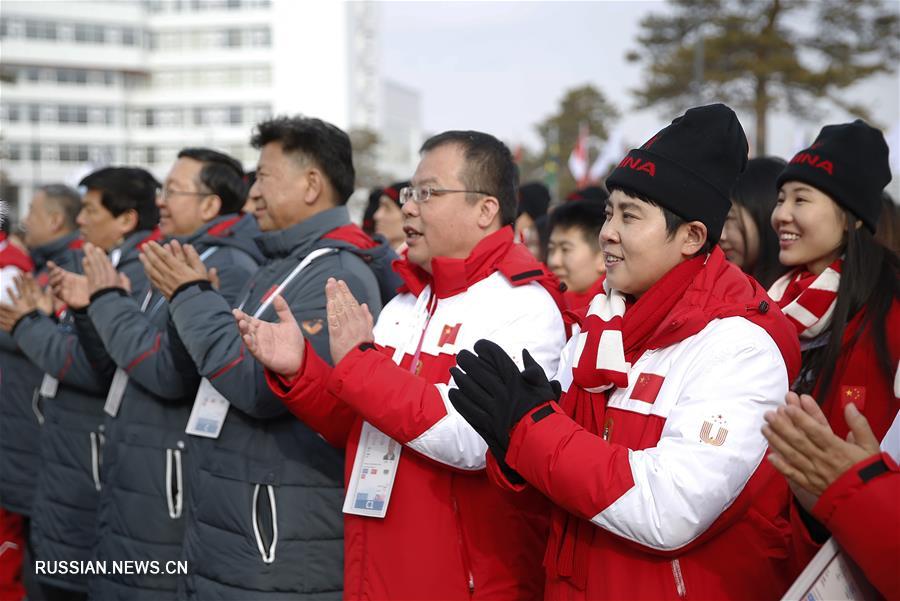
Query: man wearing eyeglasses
(422, 521)
(263, 519)
(148, 458)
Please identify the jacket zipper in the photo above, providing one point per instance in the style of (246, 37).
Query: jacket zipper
(95, 460)
(679, 579)
(464, 553)
(174, 500)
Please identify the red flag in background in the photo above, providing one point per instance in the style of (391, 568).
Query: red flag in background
(578, 160)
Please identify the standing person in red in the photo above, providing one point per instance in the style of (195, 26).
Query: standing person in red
(573, 254)
(842, 294)
(12, 537)
(652, 454)
(850, 486)
(440, 529)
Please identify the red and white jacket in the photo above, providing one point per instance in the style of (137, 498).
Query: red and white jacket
(660, 488)
(448, 533)
(13, 262)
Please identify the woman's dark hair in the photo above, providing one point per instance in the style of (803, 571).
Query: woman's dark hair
(755, 189)
(888, 232)
(868, 279)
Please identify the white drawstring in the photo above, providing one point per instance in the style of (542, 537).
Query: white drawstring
(35, 406)
(95, 461)
(267, 556)
(420, 311)
(174, 503)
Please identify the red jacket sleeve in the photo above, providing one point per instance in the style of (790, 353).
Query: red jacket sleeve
(862, 511)
(307, 396)
(399, 403)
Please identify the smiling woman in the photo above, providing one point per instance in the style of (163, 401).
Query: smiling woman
(748, 239)
(842, 295)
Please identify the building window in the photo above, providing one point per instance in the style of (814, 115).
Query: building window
(92, 34)
(129, 36)
(234, 115)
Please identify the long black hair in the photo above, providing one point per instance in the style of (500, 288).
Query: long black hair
(756, 191)
(869, 278)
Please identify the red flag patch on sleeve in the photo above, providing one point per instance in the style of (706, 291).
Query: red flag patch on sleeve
(448, 334)
(647, 387)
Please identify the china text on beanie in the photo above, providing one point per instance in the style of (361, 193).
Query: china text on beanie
(849, 163)
(690, 166)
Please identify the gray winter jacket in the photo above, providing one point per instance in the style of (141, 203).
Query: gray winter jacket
(147, 455)
(67, 491)
(265, 519)
(20, 379)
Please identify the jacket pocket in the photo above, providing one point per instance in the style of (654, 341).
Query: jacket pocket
(265, 521)
(36, 406)
(174, 483)
(96, 451)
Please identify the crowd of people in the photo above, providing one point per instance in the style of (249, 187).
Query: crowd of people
(673, 385)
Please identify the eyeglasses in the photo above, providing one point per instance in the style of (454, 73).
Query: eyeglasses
(422, 194)
(166, 193)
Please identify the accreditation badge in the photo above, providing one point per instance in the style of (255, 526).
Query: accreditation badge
(49, 386)
(116, 392)
(374, 470)
(208, 413)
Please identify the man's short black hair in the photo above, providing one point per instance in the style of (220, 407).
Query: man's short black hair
(126, 189)
(322, 143)
(222, 175)
(587, 216)
(673, 221)
(66, 199)
(490, 167)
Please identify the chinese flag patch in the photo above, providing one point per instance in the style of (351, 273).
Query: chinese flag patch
(647, 387)
(855, 395)
(448, 334)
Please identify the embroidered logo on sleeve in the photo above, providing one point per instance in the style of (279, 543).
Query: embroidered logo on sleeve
(312, 326)
(448, 334)
(647, 387)
(714, 430)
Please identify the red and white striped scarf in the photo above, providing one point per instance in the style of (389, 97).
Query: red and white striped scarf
(807, 299)
(611, 341)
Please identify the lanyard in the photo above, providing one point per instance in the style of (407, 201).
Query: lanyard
(287, 280)
(203, 257)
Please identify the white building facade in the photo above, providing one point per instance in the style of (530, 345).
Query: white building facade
(87, 83)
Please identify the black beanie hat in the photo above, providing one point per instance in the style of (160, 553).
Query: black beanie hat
(690, 166)
(534, 198)
(849, 163)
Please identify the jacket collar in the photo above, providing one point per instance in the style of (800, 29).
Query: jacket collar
(448, 276)
(131, 246)
(299, 239)
(52, 250)
(222, 222)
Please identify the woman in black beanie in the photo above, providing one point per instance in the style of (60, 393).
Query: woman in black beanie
(748, 239)
(842, 293)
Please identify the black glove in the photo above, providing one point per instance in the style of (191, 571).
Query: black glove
(493, 395)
